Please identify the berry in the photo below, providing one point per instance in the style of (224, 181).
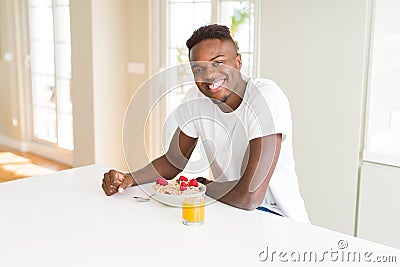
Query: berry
(162, 181)
(183, 186)
(193, 182)
(158, 180)
(183, 178)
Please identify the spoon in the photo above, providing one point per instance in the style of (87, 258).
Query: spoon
(143, 198)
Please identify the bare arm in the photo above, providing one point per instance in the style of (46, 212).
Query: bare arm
(168, 166)
(249, 192)
(171, 163)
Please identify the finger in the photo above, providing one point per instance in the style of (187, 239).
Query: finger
(109, 184)
(107, 181)
(107, 190)
(116, 178)
(127, 182)
(123, 186)
(106, 178)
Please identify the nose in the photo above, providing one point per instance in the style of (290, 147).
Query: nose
(208, 74)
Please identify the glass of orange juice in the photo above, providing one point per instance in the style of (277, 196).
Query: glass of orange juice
(193, 207)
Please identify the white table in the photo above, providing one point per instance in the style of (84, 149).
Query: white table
(64, 219)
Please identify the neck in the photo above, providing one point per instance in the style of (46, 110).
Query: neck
(235, 98)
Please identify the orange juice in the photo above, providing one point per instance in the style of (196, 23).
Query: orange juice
(193, 210)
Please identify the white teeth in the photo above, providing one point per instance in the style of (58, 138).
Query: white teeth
(216, 84)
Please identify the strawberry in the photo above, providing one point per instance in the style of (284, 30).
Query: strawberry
(183, 186)
(162, 181)
(193, 182)
(183, 178)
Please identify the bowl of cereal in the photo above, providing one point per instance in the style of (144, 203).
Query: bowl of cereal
(170, 192)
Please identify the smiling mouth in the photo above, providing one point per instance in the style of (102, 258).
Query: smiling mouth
(216, 86)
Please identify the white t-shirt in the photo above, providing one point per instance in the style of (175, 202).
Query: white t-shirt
(264, 111)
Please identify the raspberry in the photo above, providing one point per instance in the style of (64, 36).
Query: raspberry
(183, 178)
(162, 181)
(158, 180)
(183, 186)
(193, 182)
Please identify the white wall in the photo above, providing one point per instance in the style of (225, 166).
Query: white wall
(10, 83)
(82, 82)
(315, 50)
(110, 42)
(138, 52)
(99, 58)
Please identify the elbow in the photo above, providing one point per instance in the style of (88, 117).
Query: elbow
(251, 202)
(251, 206)
(178, 163)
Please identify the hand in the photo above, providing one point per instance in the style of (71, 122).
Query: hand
(115, 181)
(203, 180)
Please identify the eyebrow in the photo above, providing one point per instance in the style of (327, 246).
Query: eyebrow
(216, 57)
(197, 65)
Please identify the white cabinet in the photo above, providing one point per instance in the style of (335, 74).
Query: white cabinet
(378, 215)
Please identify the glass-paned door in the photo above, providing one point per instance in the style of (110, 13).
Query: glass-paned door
(50, 72)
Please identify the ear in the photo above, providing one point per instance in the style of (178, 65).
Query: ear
(239, 61)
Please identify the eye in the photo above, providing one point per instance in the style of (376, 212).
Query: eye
(198, 70)
(217, 63)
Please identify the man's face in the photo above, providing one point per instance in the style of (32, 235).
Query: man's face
(216, 68)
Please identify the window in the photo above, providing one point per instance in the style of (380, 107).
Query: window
(383, 106)
(50, 72)
(185, 16)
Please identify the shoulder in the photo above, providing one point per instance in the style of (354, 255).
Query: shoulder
(266, 90)
(262, 82)
(189, 98)
(193, 93)
(268, 107)
(194, 102)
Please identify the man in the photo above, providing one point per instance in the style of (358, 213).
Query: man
(245, 128)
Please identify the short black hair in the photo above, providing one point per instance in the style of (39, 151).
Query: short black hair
(212, 31)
